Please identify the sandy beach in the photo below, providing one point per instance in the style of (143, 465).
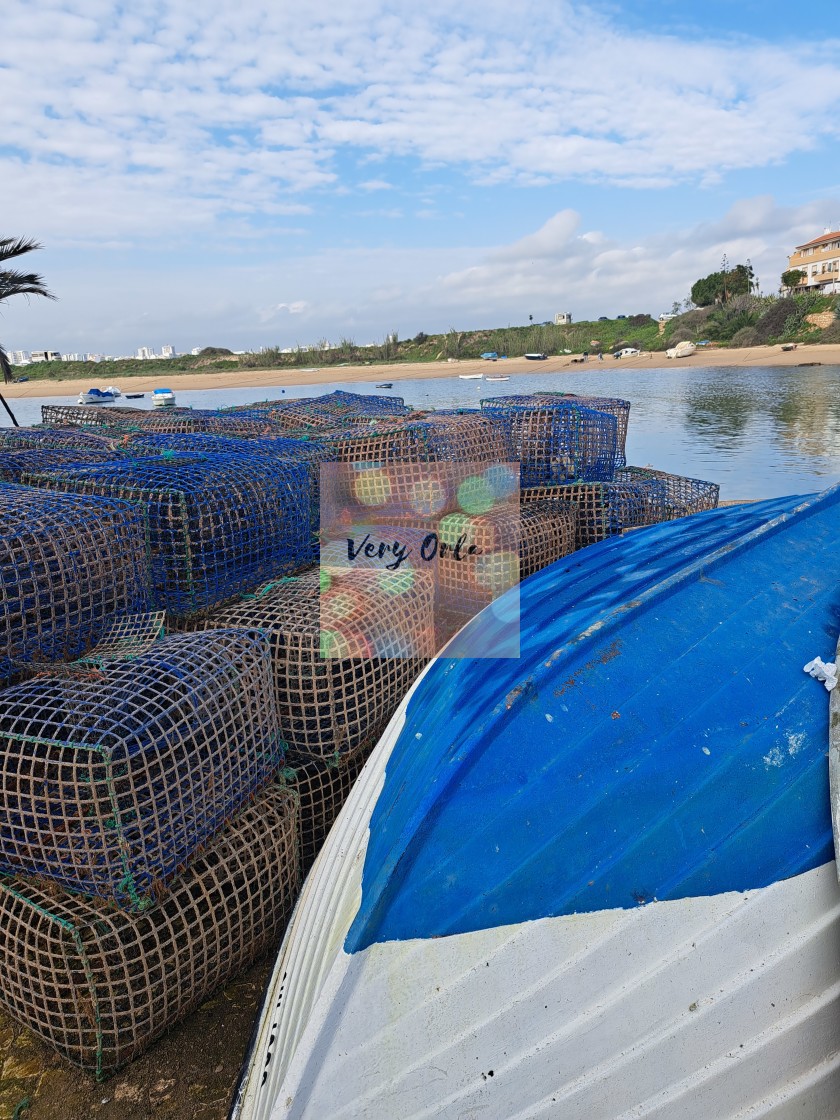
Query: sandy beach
(265, 378)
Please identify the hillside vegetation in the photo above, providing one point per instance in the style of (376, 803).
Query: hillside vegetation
(746, 320)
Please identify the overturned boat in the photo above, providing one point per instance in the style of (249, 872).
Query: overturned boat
(597, 881)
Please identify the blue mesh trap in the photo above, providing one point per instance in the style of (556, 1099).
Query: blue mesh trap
(616, 407)
(555, 442)
(111, 779)
(15, 465)
(217, 524)
(69, 567)
(24, 439)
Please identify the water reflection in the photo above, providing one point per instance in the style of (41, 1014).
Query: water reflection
(759, 432)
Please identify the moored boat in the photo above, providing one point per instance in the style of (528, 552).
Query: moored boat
(470, 376)
(97, 396)
(596, 881)
(163, 398)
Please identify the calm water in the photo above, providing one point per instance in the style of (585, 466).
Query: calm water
(759, 433)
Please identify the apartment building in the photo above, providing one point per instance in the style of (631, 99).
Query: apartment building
(820, 261)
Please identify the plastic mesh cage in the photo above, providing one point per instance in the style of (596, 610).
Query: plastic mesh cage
(323, 785)
(379, 631)
(310, 452)
(112, 778)
(100, 985)
(217, 524)
(24, 439)
(511, 545)
(333, 409)
(605, 509)
(683, 496)
(88, 416)
(15, 465)
(555, 442)
(69, 566)
(616, 407)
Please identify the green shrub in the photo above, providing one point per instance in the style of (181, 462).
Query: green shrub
(746, 336)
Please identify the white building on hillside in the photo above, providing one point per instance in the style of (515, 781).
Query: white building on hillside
(562, 319)
(19, 357)
(167, 351)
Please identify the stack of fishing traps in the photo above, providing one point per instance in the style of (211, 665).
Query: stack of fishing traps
(186, 699)
(573, 450)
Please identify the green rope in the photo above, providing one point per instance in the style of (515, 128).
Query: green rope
(18, 1112)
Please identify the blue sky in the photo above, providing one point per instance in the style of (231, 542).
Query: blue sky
(255, 173)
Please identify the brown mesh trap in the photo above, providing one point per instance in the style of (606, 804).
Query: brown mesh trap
(605, 508)
(511, 544)
(683, 496)
(378, 631)
(111, 778)
(100, 985)
(70, 566)
(323, 785)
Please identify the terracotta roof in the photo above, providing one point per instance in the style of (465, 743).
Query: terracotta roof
(835, 236)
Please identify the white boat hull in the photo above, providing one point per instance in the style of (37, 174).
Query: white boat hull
(703, 1007)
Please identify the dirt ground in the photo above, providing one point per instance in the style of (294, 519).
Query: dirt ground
(190, 1073)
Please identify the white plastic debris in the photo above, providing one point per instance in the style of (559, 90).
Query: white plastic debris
(822, 672)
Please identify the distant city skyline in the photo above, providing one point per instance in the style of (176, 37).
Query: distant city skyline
(270, 175)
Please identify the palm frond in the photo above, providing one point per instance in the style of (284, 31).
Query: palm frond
(5, 365)
(13, 283)
(16, 247)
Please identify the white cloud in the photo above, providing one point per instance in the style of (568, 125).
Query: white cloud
(376, 185)
(165, 118)
(366, 293)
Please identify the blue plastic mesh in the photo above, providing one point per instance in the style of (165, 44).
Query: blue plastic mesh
(23, 439)
(70, 566)
(112, 779)
(555, 442)
(616, 407)
(14, 465)
(217, 524)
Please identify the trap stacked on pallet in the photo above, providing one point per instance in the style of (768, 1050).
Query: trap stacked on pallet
(346, 647)
(16, 465)
(414, 464)
(616, 407)
(69, 567)
(100, 985)
(555, 441)
(28, 439)
(217, 524)
(113, 777)
(683, 496)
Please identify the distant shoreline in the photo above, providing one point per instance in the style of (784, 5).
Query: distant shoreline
(827, 354)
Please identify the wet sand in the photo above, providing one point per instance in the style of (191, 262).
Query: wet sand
(266, 378)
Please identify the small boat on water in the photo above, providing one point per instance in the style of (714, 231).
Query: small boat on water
(134, 396)
(97, 396)
(470, 376)
(386, 385)
(596, 881)
(488, 378)
(163, 398)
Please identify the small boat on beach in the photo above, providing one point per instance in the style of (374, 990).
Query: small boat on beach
(163, 398)
(681, 350)
(537, 357)
(97, 396)
(597, 880)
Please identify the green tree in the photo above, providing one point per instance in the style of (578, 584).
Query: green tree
(14, 283)
(793, 277)
(720, 287)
